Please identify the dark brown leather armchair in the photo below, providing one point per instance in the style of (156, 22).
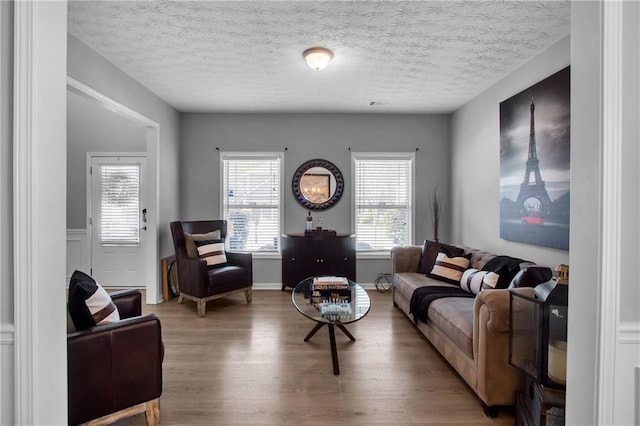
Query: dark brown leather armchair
(115, 370)
(199, 283)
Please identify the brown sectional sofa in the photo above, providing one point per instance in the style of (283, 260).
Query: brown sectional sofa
(472, 334)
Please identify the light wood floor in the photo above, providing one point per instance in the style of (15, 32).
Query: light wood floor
(248, 365)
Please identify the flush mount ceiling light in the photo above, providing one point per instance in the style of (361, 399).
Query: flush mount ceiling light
(318, 57)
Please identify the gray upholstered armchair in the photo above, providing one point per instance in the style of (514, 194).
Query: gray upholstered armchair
(199, 281)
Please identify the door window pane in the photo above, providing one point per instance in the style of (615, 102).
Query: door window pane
(120, 204)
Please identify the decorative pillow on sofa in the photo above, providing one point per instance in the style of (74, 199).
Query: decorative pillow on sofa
(505, 266)
(449, 269)
(89, 303)
(430, 251)
(190, 241)
(212, 251)
(531, 276)
(474, 280)
(500, 279)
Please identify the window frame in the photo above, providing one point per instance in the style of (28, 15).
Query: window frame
(263, 156)
(411, 156)
(120, 242)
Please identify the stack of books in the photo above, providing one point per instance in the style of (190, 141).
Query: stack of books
(330, 283)
(332, 289)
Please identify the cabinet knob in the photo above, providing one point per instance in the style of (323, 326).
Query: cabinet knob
(293, 258)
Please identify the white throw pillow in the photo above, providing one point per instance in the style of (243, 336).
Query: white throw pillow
(212, 252)
(474, 280)
(449, 269)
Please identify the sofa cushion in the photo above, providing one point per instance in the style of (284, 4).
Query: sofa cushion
(406, 282)
(449, 269)
(454, 317)
(212, 251)
(190, 241)
(430, 251)
(230, 274)
(479, 258)
(89, 303)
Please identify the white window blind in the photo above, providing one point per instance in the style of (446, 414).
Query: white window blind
(120, 204)
(251, 201)
(383, 200)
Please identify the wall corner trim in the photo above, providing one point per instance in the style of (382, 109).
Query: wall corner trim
(24, 145)
(610, 232)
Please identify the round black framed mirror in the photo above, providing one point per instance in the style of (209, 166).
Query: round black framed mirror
(317, 184)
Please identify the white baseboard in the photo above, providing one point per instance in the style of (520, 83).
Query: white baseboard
(267, 286)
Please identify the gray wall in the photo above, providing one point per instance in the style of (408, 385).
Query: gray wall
(475, 135)
(475, 167)
(6, 213)
(92, 128)
(86, 66)
(586, 350)
(630, 289)
(307, 136)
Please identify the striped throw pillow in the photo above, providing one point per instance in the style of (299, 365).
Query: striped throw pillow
(191, 239)
(89, 303)
(212, 251)
(449, 269)
(474, 280)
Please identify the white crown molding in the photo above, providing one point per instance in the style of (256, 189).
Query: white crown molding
(611, 233)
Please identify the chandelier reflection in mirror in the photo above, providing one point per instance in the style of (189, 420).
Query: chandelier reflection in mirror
(317, 184)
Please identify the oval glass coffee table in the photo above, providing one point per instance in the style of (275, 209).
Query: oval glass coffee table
(331, 314)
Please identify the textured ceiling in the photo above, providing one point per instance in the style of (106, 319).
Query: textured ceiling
(246, 56)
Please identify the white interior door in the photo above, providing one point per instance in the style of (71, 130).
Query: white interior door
(117, 220)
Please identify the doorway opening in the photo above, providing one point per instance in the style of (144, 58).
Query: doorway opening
(149, 252)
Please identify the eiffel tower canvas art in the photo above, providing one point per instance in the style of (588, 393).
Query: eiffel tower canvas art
(534, 163)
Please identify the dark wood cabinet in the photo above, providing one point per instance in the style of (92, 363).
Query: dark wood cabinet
(304, 257)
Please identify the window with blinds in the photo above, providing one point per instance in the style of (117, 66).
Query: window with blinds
(383, 200)
(251, 201)
(120, 204)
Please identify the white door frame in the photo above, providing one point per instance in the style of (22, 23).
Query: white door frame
(153, 291)
(39, 360)
(90, 213)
